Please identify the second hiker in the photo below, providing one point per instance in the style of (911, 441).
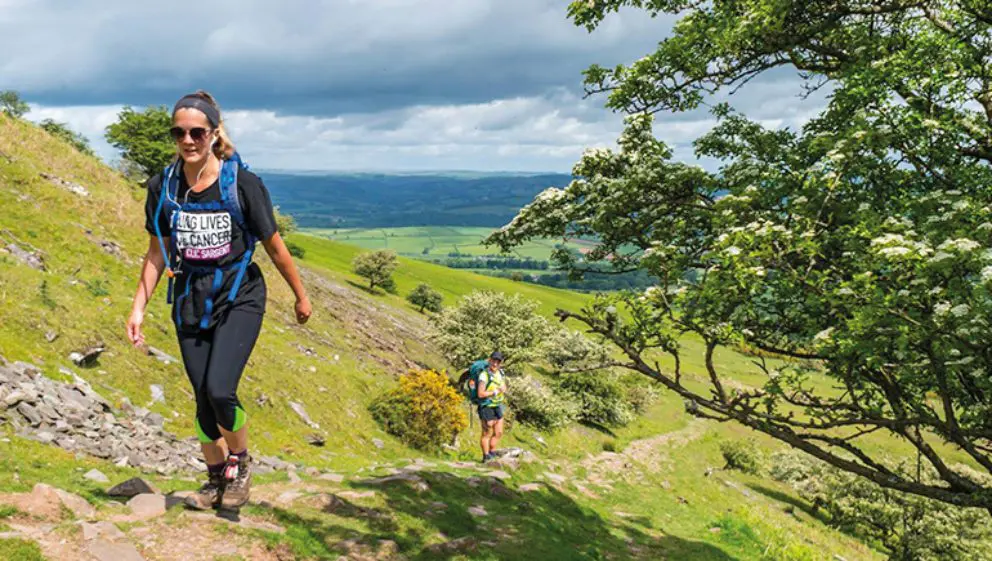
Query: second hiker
(487, 390)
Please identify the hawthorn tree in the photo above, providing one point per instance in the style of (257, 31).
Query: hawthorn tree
(425, 297)
(376, 266)
(853, 253)
(484, 321)
(12, 105)
(143, 138)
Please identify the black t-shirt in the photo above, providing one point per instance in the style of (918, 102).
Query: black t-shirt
(209, 238)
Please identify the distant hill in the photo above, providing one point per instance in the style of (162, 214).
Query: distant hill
(367, 200)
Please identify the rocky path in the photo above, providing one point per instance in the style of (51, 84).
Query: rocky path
(143, 524)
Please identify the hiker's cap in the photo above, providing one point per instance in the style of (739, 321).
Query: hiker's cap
(496, 356)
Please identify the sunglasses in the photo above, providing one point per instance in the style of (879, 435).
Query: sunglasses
(196, 133)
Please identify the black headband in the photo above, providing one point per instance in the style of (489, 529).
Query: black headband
(194, 102)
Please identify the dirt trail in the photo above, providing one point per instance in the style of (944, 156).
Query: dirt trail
(645, 455)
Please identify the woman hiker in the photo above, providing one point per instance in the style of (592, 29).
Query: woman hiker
(491, 392)
(205, 214)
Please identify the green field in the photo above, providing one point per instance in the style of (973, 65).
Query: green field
(434, 241)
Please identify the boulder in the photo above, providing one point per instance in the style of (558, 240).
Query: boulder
(96, 475)
(29, 258)
(88, 356)
(131, 488)
(147, 505)
(78, 505)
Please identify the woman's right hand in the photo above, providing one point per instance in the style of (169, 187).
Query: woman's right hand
(134, 333)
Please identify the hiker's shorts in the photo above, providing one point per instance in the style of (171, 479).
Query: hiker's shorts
(489, 413)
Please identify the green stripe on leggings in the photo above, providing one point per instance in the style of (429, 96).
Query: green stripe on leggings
(240, 418)
(200, 434)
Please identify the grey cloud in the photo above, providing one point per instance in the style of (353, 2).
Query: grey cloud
(303, 57)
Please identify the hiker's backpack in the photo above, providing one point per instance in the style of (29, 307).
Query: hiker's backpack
(471, 384)
(231, 203)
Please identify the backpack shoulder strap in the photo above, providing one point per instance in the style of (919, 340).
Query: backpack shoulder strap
(168, 190)
(229, 190)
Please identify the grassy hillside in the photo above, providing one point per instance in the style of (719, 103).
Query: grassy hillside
(640, 492)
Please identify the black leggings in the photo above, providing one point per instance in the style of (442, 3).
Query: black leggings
(214, 362)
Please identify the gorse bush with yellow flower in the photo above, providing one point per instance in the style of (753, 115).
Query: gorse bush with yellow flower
(425, 411)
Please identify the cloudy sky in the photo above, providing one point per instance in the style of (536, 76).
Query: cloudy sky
(351, 84)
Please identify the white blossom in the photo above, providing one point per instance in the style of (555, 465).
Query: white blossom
(551, 194)
(960, 245)
(940, 256)
(960, 362)
(732, 250)
(824, 335)
(889, 239)
(894, 251)
(942, 308)
(960, 310)
(987, 274)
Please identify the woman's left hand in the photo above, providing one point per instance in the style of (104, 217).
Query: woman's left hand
(303, 309)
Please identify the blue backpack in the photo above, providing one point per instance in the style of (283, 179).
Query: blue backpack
(470, 388)
(230, 203)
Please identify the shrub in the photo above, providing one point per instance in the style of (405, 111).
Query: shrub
(743, 455)
(425, 297)
(12, 105)
(285, 223)
(389, 285)
(484, 321)
(66, 134)
(567, 348)
(97, 287)
(424, 411)
(909, 527)
(641, 395)
(296, 250)
(376, 266)
(539, 405)
(601, 398)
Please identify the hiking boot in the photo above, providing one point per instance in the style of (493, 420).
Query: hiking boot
(238, 476)
(209, 495)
